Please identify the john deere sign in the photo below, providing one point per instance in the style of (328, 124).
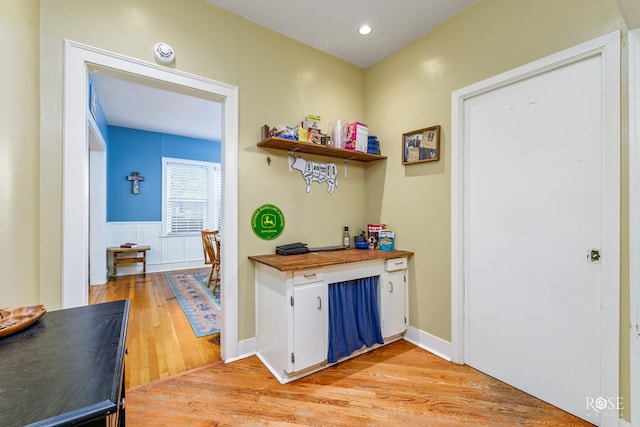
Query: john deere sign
(267, 222)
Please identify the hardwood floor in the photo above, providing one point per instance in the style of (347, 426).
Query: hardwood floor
(160, 340)
(398, 384)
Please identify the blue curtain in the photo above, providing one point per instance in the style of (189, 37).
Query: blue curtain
(353, 317)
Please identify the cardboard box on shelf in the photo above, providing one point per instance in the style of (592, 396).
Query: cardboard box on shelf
(373, 230)
(358, 135)
(314, 135)
(312, 122)
(386, 240)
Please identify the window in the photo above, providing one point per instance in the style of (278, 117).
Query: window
(191, 195)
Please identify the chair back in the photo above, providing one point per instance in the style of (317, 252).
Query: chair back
(211, 246)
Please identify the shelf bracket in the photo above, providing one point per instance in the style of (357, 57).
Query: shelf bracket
(346, 164)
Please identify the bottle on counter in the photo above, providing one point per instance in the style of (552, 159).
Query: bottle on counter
(346, 240)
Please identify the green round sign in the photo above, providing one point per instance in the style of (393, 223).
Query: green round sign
(267, 222)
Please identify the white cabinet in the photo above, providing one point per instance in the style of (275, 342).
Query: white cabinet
(393, 298)
(309, 337)
(292, 309)
(291, 320)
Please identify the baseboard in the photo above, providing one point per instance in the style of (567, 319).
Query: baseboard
(128, 270)
(247, 347)
(424, 340)
(428, 342)
(173, 266)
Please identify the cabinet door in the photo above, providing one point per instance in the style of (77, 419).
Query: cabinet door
(392, 303)
(309, 331)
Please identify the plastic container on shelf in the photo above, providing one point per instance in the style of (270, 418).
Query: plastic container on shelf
(339, 133)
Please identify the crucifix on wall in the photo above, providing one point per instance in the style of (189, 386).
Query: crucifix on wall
(135, 178)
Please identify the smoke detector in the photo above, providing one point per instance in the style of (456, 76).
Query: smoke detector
(163, 53)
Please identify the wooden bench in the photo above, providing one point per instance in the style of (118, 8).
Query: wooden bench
(121, 256)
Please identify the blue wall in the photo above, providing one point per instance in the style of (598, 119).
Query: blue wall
(100, 118)
(132, 150)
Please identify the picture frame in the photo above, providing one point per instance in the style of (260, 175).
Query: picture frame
(422, 145)
(93, 102)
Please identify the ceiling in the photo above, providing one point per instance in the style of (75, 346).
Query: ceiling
(138, 106)
(330, 26)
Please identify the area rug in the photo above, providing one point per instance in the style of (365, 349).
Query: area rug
(200, 305)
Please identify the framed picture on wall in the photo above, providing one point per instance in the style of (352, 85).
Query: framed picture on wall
(93, 102)
(422, 145)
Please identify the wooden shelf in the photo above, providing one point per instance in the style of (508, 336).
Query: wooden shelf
(321, 150)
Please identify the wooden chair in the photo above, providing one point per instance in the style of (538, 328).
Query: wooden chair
(211, 249)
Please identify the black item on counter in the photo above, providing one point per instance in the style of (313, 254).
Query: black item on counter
(292, 249)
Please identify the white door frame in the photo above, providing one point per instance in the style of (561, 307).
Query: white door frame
(634, 225)
(75, 235)
(608, 48)
(97, 204)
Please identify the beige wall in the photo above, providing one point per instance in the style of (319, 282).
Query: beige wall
(412, 89)
(279, 80)
(19, 158)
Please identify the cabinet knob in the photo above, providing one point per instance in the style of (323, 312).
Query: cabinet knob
(390, 287)
(319, 303)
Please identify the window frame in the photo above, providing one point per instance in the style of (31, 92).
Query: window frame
(214, 210)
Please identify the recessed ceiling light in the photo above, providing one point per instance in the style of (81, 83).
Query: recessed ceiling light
(364, 29)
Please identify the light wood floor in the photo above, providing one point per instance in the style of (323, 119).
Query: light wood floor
(398, 384)
(160, 340)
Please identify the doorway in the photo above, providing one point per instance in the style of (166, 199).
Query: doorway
(78, 59)
(145, 122)
(535, 228)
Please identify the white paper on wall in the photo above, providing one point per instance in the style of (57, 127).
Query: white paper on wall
(315, 172)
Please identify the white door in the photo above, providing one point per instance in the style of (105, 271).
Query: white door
(542, 238)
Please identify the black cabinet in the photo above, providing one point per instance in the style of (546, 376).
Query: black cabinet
(66, 369)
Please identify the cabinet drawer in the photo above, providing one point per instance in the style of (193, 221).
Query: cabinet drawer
(395, 264)
(307, 276)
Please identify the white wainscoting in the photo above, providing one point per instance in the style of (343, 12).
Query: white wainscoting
(167, 252)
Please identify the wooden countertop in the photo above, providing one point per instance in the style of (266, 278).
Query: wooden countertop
(321, 259)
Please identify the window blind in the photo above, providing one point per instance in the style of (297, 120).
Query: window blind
(187, 197)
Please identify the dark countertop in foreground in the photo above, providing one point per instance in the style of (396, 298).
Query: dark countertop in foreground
(66, 368)
(322, 259)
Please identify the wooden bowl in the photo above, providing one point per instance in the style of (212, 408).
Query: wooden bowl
(15, 319)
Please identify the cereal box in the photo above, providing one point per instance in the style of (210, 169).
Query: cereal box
(312, 122)
(373, 230)
(386, 240)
